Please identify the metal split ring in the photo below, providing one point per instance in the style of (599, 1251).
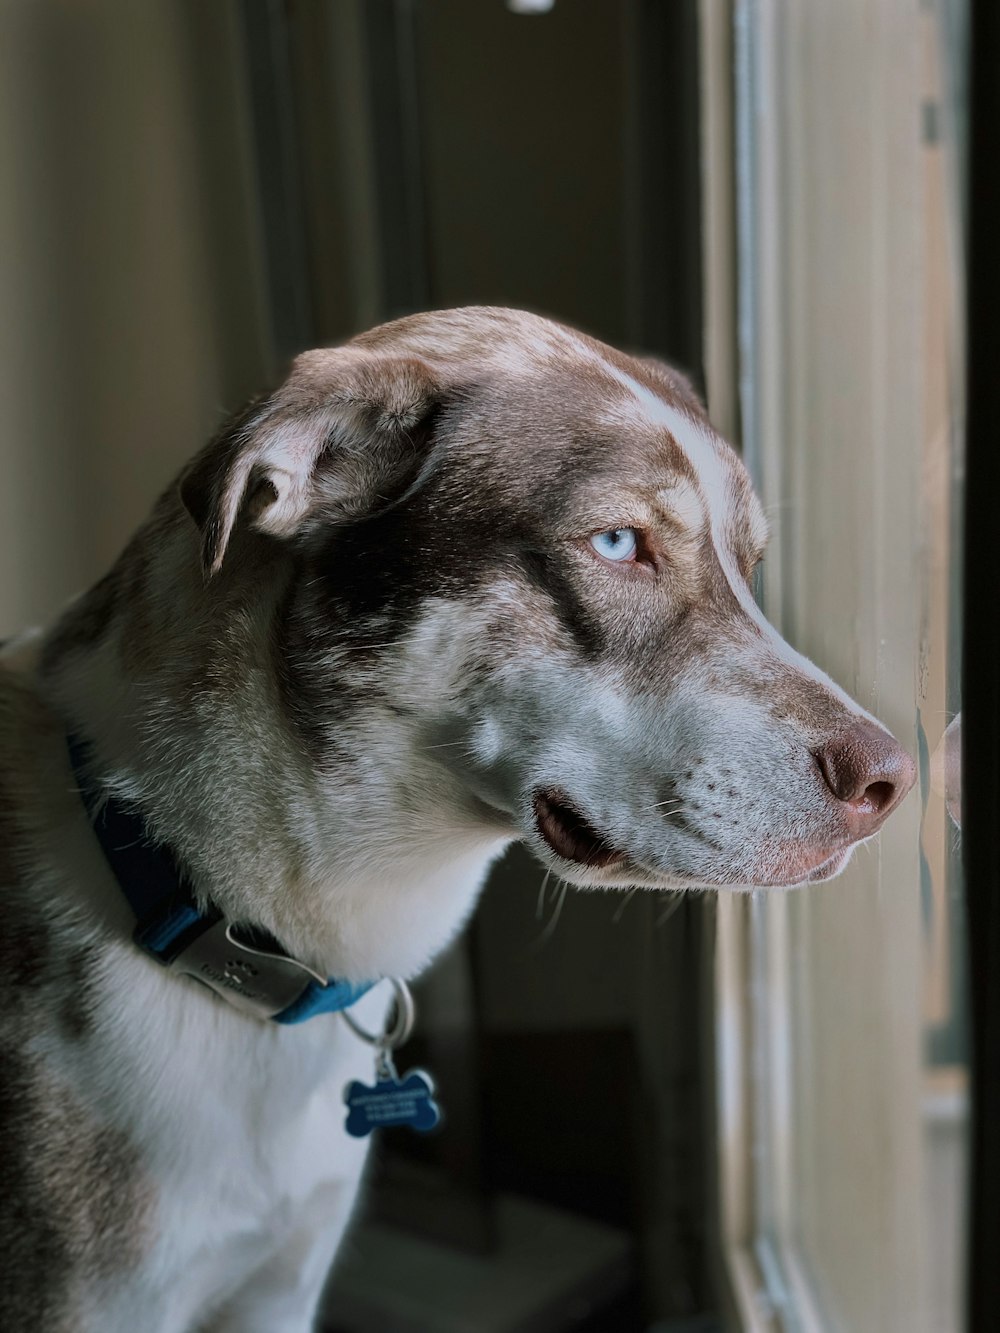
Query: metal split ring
(404, 1013)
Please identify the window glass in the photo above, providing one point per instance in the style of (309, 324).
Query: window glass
(852, 1100)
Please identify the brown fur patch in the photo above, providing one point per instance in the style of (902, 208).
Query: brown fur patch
(75, 1204)
(26, 947)
(73, 1200)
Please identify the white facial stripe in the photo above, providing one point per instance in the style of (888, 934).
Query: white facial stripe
(685, 503)
(710, 467)
(759, 527)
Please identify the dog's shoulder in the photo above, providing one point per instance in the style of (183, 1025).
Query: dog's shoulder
(28, 944)
(64, 1171)
(33, 947)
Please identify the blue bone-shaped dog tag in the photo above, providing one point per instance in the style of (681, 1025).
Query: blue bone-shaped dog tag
(391, 1101)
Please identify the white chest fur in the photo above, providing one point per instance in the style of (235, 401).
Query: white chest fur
(239, 1125)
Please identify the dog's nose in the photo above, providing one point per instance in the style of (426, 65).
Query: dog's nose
(868, 771)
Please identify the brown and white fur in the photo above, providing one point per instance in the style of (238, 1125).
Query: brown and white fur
(366, 642)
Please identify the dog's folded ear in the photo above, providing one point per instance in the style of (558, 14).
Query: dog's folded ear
(346, 432)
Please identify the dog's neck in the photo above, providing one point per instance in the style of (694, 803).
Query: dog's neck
(363, 871)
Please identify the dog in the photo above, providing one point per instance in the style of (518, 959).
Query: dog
(472, 577)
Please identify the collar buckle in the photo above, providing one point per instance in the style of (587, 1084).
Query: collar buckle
(257, 983)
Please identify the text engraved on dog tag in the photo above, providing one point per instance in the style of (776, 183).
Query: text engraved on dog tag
(391, 1101)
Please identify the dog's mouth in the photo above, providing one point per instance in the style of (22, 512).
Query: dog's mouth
(569, 835)
(573, 838)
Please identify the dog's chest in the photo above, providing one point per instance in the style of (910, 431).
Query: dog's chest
(240, 1130)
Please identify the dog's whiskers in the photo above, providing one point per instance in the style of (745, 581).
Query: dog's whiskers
(678, 897)
(546, 934)
(540, 907)
(673, 802)
(362, 647)
(623, 904)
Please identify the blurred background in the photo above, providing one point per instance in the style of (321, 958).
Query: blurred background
(662, 1113)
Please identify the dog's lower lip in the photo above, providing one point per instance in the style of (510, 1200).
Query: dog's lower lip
(570, 835)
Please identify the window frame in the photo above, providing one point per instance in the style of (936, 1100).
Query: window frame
(765, 1275)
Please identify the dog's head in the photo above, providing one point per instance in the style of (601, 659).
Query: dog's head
(525, 559)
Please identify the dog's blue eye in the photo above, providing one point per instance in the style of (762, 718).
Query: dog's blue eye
(616, 544)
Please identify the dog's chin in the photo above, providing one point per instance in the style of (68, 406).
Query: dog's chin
(828, 868)
(802, 866)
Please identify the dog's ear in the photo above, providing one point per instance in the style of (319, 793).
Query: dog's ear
(346, 431)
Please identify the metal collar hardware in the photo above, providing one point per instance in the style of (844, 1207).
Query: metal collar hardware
(252, 980)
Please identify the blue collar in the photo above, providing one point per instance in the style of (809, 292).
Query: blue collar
(245, 966)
